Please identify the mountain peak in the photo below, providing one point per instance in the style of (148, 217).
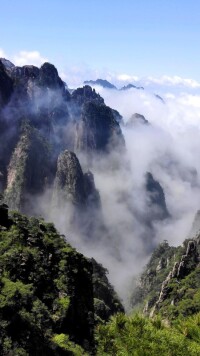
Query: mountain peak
(131, 86)
(49, 76)
(101, 82)
(137, 119)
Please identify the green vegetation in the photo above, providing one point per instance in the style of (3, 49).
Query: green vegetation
(141, 336)
(52, 299)
(182, 293)
(48, 291)
(45, 290)
(184, 297)
(64, 343)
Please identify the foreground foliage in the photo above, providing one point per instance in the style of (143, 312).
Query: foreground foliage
(141, 336)
(51, 296)
(42, 291)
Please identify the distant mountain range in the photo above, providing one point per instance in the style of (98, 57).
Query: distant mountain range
(102, 82)
(106, 84)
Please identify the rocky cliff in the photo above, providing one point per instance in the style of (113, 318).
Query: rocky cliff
(29, 170)
(39, 120)
(156, 199)
(170, 283)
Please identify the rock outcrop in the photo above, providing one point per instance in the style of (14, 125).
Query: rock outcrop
(181, 269)
(171, 275)
(28, 171)
(156, 199)
(195, 225)
(135, 120)
(38, 98)
(86, 94)
(6, 85)
(76, 197)
(69, 181)
(49, 78)
(97, 131)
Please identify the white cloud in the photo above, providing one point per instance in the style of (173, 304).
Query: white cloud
(190, 100)
(2, 53)
(171, 81)
(28, 57)
(76, 75)
(169, 148)
(127, 78)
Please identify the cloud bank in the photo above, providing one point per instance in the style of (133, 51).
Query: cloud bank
(169, 148)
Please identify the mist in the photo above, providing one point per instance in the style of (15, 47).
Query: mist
(168, 148)
(124, 229)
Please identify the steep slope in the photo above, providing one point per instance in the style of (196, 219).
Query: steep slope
(69, 181)
(170, 283)
(6, 85)
(156, 199)
(98, 130)
(106, 301)
(48, 290)
(28, 171)
(195, 225)
(76, 201)
(38, 98)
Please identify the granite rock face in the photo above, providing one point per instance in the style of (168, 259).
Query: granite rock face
(6, 86)
(28, 173)
(97, 131)
(156, 199)
(37, 98)
(154, 211)
(76, 197)
(49, 78)
(69, 180)
(195, 225)
(168, 280)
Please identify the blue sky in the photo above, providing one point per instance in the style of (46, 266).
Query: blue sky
(136, 37)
